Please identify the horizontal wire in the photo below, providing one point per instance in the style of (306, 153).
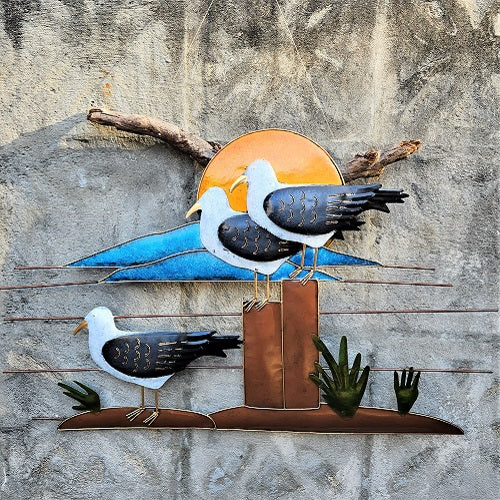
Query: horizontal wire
(240, 367)
(78, 283)
(58, 419)
(397, 266)
(237, 314)
(70, 268)
(381, 282)
(48, 285)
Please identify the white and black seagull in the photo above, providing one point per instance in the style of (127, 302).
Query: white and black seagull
(147, 359)
(236, 239)
(310, 214)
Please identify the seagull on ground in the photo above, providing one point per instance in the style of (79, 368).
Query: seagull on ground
(310, 214)
(236, 239)
(147, 359)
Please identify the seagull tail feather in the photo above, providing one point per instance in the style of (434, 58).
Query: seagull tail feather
(217, 345)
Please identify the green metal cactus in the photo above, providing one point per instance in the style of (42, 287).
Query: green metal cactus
(407, 391)
(342, 390)
(89, 400)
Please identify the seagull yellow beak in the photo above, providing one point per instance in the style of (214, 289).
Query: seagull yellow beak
(240, 180)
(193, 209)
(81, 326)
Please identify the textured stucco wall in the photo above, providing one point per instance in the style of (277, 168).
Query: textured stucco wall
(382, 71)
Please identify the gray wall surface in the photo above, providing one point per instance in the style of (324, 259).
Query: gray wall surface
(377, 72)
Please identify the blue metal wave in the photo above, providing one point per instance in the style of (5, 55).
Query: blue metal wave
(153, 247)
(198, 265)
(146, 249)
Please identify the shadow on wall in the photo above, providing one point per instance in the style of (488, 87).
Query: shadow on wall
(73, 175)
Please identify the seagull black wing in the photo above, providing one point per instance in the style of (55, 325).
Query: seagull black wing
(243, 237)
(320, 209)
(156, 354)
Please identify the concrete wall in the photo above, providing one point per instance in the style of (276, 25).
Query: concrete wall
(381, 72)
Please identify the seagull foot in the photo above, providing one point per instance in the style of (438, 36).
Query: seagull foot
(307, 277)
(135, 413)
(248, 304)
(151, 418)
(295, 273)
(261, 303)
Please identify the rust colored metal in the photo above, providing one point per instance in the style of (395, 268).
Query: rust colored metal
(240, 367)
(410, 311)
(115, 418)
(32, 268)
(382, 282)
(300, 321)
(346, 281)
(237, 314)
(262, 357)
(71, 370)
(47, 285)
(130, 316)
(324, 420)
(402, 266)
(69, 268)
(57, 419)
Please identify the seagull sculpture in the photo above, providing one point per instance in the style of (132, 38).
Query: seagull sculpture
(147, 359)
(236, 239)
(310, 214)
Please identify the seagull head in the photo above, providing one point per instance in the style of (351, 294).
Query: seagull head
(258, 172)
(213, 202)
(100, 318)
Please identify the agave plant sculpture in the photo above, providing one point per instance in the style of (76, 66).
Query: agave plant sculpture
(342, 390)
(89, 400)
(407, 391)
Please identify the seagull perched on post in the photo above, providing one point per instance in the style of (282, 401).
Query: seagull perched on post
(147, 359)
(236, 239)
(310, 214)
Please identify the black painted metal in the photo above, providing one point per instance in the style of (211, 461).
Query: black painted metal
(320, 209)
(243, 237)
(155, 354)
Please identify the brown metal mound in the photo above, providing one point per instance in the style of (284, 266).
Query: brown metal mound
(115, 418)
(324, 420)
(321, 420)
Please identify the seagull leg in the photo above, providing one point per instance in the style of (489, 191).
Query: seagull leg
(310, 274)
(154, 415)
(135, 413)
(299, 269)
(248, 304)
(262, 303)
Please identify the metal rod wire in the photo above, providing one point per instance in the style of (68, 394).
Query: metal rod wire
(238, 314)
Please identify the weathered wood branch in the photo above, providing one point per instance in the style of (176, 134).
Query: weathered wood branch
(369, 164)
(373, 162)
(197, 148)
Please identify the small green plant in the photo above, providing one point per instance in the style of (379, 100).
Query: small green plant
(89, 400)
(407, 391)
(343, 390)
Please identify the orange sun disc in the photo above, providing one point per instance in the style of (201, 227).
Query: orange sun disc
(295, 160)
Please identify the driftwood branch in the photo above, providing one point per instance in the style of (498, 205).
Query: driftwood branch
(373, 162)
(197, 148)
(369, 164)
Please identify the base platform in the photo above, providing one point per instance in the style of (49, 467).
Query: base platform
(321, 420)
(115, 418)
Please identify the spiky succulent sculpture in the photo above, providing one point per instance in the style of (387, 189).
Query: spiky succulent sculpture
(89, 400)
(342, 390)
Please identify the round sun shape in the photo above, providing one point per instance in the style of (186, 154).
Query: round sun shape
(295, 160)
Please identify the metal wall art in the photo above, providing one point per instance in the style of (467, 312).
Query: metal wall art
(272, 202)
